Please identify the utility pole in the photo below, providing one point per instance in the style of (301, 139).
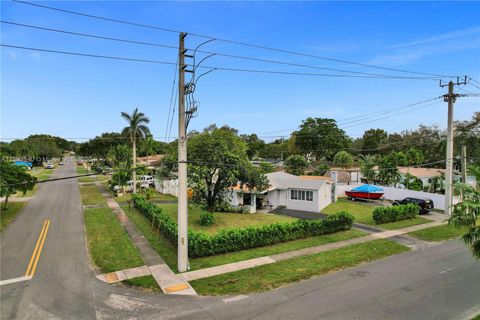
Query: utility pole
(182, 162)
(464, 164)
(450, 98)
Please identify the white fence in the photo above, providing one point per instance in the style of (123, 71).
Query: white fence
(167, 186)
(391, 193)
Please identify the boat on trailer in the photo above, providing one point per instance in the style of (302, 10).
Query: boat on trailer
(365, 192)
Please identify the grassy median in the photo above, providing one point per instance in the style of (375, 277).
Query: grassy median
(7, 216)
(278, 274)
(439, 233)
(109, 245)
(91, 196)
(146, 283)
(169, 252)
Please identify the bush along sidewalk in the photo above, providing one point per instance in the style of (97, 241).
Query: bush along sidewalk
(395, 213)
(201, 244)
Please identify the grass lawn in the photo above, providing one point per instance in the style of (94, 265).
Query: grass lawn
(169, 252)
(363, 214)
(224, 220)
(7, 216)
(403, 223)
(109, 246)
(278, 274)
(82, 170)
(147, 283)
(361, 211)
(91, 195)
(86, 179)
(439, 233)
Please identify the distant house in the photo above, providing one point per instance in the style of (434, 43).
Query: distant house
(151, 161)
(346, 176)
(304, 193)
(424, 174)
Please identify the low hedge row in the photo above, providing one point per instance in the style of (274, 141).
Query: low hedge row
(395, 213)
(201, 244)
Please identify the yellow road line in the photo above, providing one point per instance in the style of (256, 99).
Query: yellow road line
(32, 265)
(36, 248)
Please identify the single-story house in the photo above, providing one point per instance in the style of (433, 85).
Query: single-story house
(305, 193)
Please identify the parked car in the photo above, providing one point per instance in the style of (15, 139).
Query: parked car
(147, 180)
(49, 166)
(61, 163)
(425, 204)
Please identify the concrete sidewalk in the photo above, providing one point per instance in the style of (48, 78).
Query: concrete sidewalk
(168, 281)
(247, 264)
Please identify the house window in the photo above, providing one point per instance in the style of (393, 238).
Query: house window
(304, 195)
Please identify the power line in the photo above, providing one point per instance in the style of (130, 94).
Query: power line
(229, 41)
(171, 101)
(88, 55)
(201, 51)
(212, 67)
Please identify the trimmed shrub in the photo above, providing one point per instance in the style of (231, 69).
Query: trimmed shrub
(201, 244)
(395, 213)
(207, 218)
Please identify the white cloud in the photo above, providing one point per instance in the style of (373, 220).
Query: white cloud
(441, 37)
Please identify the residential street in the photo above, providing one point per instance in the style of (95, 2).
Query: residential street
(438, 282)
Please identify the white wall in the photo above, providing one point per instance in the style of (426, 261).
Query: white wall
(167, 186)
(392, 193)
(341, 188)
(325, 197)
(304, 205)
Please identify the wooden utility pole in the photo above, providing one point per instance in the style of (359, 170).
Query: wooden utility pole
(182, 162)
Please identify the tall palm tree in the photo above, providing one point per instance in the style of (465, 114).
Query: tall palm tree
(467, 213)
(137, 128)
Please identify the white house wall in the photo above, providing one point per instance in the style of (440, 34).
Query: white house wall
(325, 196)
(303, 205)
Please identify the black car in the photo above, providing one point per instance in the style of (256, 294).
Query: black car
(425, 204)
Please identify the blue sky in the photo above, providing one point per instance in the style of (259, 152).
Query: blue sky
(77, 97)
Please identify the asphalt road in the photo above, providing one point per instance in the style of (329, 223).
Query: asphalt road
(437, 282)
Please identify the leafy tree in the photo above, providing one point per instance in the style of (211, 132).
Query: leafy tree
(414, 157)
(136, 129)
(467, 212)
(100, 145)
(296, 164)
(412, 183)
(254, 144)
(367, 162)
(218, 161)
(14, 178)
(343, 159)
(121, 160)
(278, 149)
(148, 146)
(373, 138)
(320, 137)
(321, 169)
(388, 169)
(467, 133)
(266, 167)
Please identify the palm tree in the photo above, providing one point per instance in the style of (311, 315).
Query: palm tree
(467, 213)
(367, 162)
(137, 128)
(148, 146)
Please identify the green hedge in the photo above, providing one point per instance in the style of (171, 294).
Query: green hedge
(395, 213)
(201, 244)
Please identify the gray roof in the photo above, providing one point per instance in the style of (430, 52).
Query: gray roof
(282, 180)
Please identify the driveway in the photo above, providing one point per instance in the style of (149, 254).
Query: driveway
(306, 215)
